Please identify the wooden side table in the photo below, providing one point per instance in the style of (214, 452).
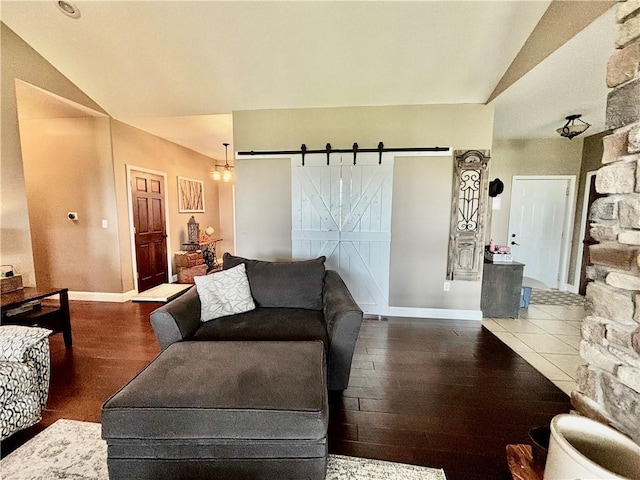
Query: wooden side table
(55, 318)
(501, 289)
(208, 250)
(520, 460)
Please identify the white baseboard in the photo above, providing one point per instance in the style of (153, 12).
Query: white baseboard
(174, 279)
(571, 288)
(102, 296)
(444, 313)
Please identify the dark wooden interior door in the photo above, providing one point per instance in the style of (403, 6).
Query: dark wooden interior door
(587, 241)
(150, 229)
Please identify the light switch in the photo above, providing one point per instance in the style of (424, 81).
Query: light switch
(105, 224)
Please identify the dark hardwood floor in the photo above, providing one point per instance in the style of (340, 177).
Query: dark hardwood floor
(438, 393)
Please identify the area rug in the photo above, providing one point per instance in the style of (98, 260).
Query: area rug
(162, 293)
(555, 297)
(73, 450)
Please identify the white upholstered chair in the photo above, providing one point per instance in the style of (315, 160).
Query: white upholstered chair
(24, 376)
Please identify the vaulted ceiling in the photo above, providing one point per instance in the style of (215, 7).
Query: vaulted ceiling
(179, 69)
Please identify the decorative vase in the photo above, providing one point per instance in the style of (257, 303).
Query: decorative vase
(540, 445)
(581, 448)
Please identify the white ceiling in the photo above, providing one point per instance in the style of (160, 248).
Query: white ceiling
(178, 69)
(571, 80)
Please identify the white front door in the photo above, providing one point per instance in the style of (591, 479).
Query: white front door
(537, 225)
(343, 211)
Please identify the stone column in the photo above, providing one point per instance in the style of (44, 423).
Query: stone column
(609, 385)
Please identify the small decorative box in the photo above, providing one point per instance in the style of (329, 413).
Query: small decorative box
(11, 284)
(498, 257)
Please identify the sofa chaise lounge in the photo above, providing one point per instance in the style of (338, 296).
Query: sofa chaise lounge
(295, 301)
(241, 396)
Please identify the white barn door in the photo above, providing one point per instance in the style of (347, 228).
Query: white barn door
(343, 211)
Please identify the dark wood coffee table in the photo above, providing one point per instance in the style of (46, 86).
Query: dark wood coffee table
(53, 317)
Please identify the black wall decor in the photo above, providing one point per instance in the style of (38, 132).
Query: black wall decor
(496, 187)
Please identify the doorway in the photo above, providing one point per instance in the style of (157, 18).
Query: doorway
(590, 196)
(540, 222)
(149, 224)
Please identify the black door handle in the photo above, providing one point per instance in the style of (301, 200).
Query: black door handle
(514, 243)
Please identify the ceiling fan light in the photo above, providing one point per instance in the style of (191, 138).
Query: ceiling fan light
(216, 175)
(226, 176)
(572, 129)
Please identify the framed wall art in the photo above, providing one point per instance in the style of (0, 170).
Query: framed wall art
(190, 195)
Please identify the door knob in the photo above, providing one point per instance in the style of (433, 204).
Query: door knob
(514, 243)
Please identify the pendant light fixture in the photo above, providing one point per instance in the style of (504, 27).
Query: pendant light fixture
(223, 172)
(571, 128)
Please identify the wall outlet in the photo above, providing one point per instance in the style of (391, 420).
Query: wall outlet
(447, 286)
(105, 224)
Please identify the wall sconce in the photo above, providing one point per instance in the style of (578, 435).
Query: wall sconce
(223, 172)
(571, 128)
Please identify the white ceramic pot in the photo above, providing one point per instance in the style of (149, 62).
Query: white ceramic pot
(581, 448)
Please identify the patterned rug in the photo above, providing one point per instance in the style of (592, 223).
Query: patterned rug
(555, 297)
(73, 450)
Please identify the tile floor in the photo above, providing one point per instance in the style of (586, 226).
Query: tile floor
(546, 336)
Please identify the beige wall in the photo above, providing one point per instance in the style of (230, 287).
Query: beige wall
(263, 208)
(135, 147)
(227, 218)
(529, 157)
(456, 126)
(67, 167)
(421, 200)
(18, 60)
(263, 190)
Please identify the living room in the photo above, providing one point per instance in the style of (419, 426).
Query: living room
(252, 215)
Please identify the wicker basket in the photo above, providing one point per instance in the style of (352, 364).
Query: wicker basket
(186, 259)
(186, 274)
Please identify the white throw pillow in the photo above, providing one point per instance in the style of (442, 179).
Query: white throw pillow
(224, 293)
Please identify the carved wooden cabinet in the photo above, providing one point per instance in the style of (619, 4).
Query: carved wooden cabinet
(468, 214)
(501, 289)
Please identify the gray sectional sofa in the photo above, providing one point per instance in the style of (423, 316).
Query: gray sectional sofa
(295, 301)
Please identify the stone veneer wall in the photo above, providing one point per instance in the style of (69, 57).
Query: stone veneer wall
(609, 385)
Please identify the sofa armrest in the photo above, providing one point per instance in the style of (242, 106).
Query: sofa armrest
(343, 318)
(177, 320)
